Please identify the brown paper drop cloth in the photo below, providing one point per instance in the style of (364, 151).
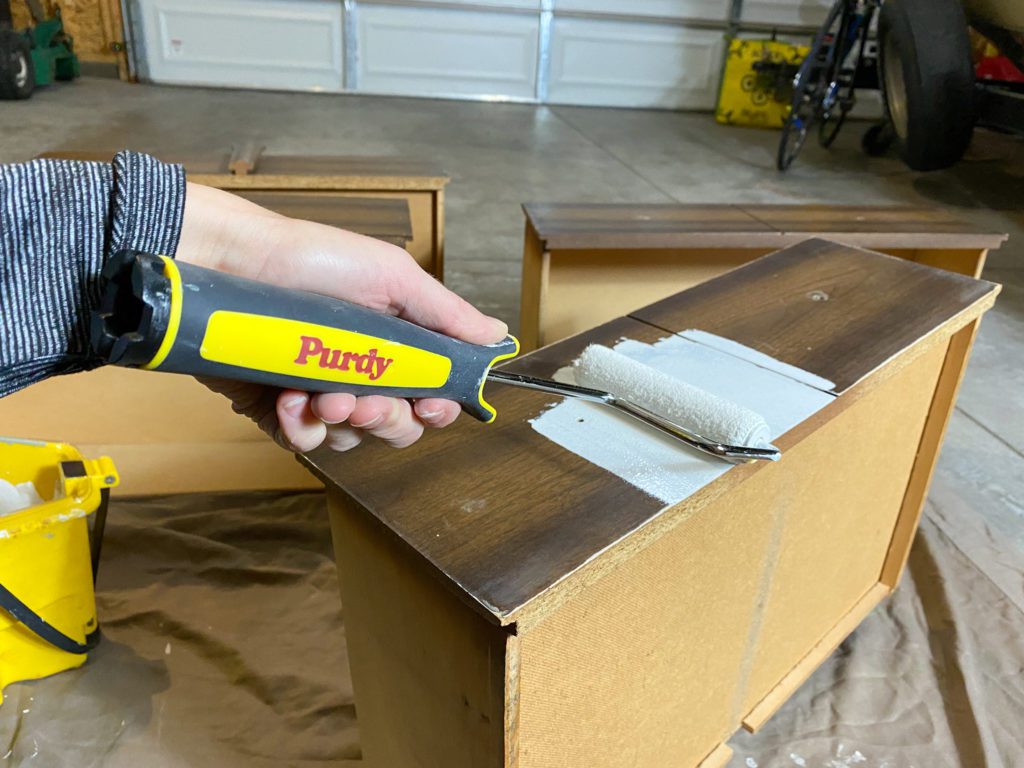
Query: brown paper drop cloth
(224, 647)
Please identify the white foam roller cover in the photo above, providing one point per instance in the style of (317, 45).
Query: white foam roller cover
(690, 407)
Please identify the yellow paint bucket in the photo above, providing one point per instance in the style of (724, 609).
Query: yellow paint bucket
(47, 604)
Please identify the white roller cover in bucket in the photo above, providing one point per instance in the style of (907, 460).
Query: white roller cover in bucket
(705, 413)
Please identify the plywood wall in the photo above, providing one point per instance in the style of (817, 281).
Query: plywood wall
(95, 26)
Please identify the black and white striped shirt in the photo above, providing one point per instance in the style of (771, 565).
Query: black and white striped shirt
(59, 221)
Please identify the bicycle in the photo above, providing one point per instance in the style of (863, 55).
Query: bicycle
(823, 89)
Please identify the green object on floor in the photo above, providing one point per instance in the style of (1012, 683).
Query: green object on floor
(38, 55)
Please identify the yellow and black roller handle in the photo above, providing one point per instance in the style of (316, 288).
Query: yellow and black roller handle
(162, 315)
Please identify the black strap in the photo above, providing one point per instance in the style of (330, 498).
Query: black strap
(99, 523)
(40, 627)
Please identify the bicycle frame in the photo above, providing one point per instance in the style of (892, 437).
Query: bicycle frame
(823, 88)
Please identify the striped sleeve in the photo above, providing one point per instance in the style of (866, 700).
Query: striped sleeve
(59, 221)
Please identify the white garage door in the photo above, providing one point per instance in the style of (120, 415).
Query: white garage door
(629, 53)
(276, 44)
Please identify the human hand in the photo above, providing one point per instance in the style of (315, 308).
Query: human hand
(224, 232)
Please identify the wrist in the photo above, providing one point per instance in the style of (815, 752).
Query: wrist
(224, 232)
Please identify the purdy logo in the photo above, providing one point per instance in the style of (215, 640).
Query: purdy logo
(370, 364)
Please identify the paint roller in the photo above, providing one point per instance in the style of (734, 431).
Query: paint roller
(701, 419)
(160, 315)
(714, 417)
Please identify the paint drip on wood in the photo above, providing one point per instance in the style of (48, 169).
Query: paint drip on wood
(656, 463)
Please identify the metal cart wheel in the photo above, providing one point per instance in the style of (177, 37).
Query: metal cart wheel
(17, 78)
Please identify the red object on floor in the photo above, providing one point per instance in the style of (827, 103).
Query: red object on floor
(998, 68)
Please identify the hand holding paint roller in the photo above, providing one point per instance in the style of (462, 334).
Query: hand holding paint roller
(164, 316)
(282, 276)
(228, 234)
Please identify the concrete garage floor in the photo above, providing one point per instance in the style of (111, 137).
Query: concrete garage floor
(501, 155)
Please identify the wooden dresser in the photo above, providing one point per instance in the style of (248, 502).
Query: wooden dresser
(508, 603)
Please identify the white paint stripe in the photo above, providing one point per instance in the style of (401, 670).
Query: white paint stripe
(760, 359)
(655, 463)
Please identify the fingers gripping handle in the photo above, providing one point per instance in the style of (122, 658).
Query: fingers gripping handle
(163, 315)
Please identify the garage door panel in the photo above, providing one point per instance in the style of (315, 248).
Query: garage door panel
(633, 64)
(279, 44)
(804, 13)
(713, 10)
(447, 52)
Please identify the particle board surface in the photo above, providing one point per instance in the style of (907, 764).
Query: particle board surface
(430, 681)
(838, 546)
(708, 619)
(944, 398)
(652, 633)
(119, 396)
(517, 528)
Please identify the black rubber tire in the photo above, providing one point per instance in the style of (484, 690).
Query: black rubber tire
(925, 51)
(829, 129)
(878, 139)
(794, 134)
(17, 77)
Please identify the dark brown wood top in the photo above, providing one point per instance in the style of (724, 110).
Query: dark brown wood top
(209, 162)
(499, 510)
(596, 226)
(383, 218)
(836, 311)
(400, 172)
(565, 226)
(339, 165)
(868, 226)
(504, 515)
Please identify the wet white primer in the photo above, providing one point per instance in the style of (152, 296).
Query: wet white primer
(655, 463)
(760, 359)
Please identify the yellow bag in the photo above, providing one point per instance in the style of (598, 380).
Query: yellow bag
(47, 603)
(757, 82)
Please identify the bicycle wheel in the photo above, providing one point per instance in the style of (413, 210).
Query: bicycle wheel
(841, 79)
(809, 88)
(794, 132)
(829, 126)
